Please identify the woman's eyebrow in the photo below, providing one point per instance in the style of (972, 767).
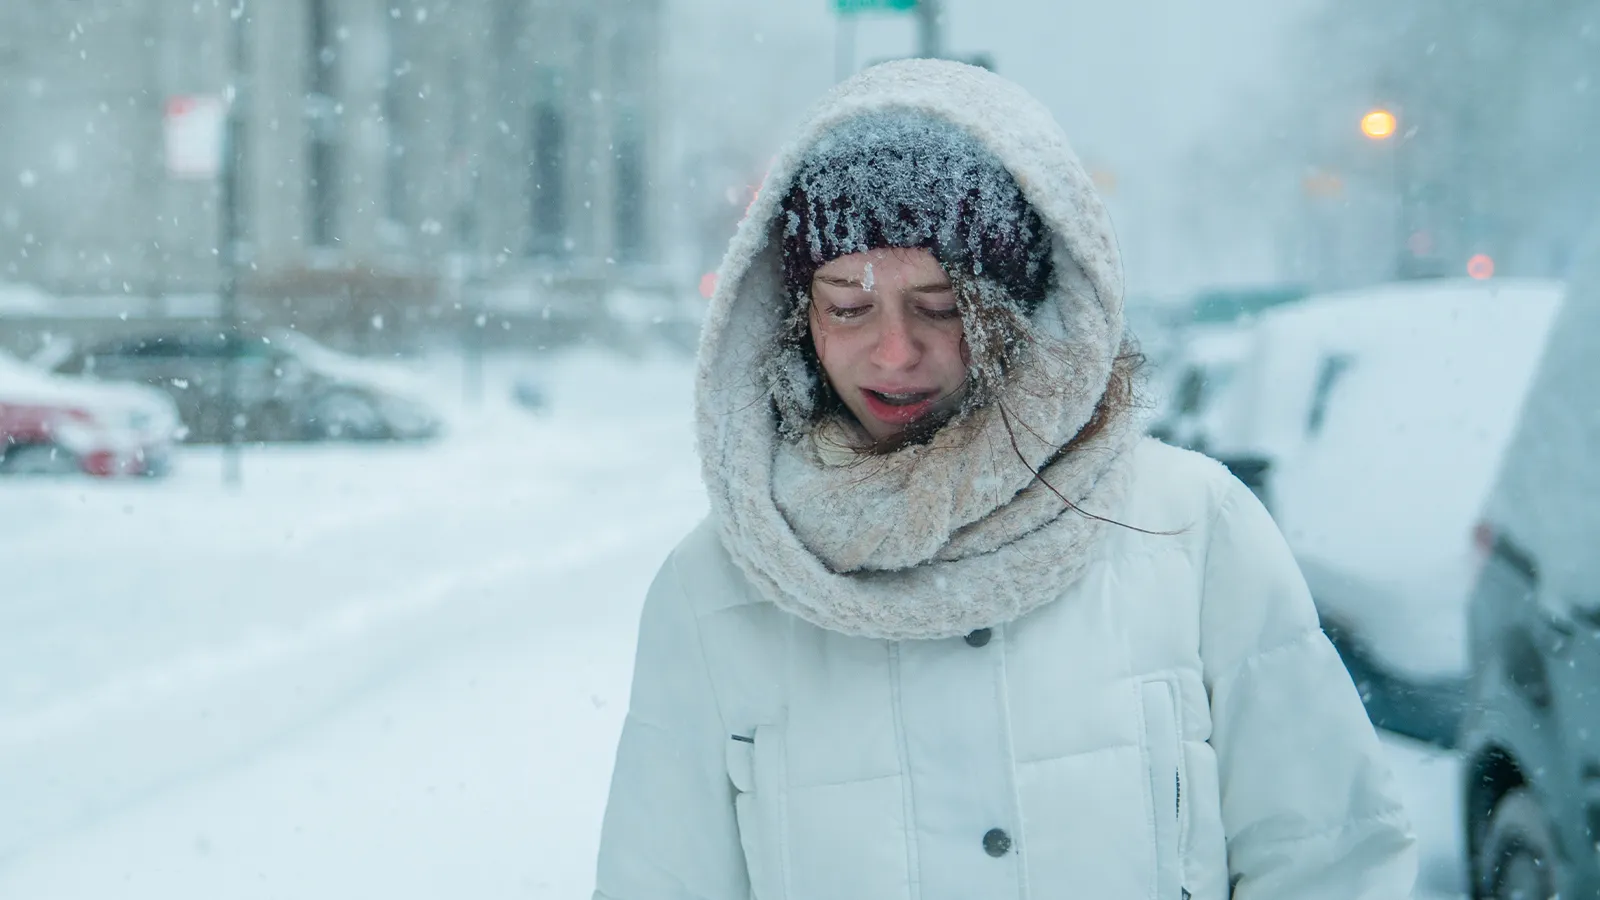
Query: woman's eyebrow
(932, 287)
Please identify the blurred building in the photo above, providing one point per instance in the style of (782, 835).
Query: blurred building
(390, 136)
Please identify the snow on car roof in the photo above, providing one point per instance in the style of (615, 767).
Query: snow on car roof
(1417, 418)
(354, 369)
(25, 384)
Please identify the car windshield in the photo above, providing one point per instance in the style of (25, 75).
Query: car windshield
(351, 398)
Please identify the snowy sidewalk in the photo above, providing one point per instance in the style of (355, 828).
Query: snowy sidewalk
(479, 775)
(153, 635)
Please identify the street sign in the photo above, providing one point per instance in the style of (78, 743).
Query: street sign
(194, 128)
(850, 7)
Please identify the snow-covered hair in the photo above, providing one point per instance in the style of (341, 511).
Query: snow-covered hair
(906, 178)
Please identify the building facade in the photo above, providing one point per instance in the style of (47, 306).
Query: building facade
(397, 136)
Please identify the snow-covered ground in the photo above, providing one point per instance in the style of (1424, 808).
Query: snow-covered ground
(388, 672)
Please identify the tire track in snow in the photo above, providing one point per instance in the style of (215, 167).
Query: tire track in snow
(353, 621)
(86, 758)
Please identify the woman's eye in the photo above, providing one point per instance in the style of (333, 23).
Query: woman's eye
(847, 312)
(942, 312)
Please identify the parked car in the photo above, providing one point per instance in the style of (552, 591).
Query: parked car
(289, 387)
(56, 425)
(1531, 735)
(1375, 420)
(1196, 375)
(1196, 387)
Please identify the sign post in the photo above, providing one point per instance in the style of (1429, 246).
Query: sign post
(930, 39)
(232, 150)
(844, 47)
(930, 33)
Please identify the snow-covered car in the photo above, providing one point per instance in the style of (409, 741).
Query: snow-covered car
(1385, 413)
(288, 386)
(55, 425)
(1530, 783)
(357, 398)
(1196, 398)
(1195, 378)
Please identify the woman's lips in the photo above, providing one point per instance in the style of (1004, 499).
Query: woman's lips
(897, 407)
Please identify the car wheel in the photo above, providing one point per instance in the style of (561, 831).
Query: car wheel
(1518, 858)
(274, 422)
(39, 459)
(342, 415)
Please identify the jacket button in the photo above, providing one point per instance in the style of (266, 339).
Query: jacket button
(980, 637)
(996, 843)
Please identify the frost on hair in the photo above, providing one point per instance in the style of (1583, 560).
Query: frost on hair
(910, 179)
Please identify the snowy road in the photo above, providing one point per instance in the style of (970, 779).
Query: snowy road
(388, 672)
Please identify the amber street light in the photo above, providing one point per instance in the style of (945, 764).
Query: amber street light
(1378, 124)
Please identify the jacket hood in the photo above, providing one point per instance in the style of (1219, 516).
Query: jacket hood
(779, 507)
(1011, 124)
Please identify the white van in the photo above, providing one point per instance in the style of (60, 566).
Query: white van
(1530, 780)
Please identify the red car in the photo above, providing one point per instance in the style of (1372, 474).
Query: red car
(56, 425)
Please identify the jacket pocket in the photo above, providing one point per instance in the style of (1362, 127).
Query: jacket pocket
(1164, 758)
(756, 766)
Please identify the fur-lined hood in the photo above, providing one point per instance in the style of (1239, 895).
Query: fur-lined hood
(924, 542)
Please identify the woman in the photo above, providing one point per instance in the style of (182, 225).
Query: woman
(954, 628)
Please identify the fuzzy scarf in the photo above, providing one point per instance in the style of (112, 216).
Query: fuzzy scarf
(937, 539)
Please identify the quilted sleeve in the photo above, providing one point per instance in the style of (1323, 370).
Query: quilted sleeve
(670, 831)
(1309, 806)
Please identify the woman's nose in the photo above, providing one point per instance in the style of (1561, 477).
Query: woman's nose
(896, 347)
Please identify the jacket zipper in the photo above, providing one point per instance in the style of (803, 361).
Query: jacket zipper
(1177, 777)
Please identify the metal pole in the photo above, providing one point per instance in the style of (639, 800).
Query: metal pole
(232, 474)
(1402, 233)
(844, 46)
(155, 272)
(930, 27)
(473, 308)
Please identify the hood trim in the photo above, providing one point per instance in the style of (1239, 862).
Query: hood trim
(940, 539)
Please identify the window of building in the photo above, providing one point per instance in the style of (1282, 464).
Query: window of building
(323, 125)
(628, 191)
(547, 179)
(396, 72)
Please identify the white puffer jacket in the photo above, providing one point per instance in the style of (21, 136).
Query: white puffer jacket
(1175, 723)
(921, 676)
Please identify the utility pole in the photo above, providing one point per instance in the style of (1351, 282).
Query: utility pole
(844, 47)
(930, 29)
(231, 252)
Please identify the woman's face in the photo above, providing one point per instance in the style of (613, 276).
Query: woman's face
(888, 333)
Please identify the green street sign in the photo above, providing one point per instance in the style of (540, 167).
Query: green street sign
(848, 7)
